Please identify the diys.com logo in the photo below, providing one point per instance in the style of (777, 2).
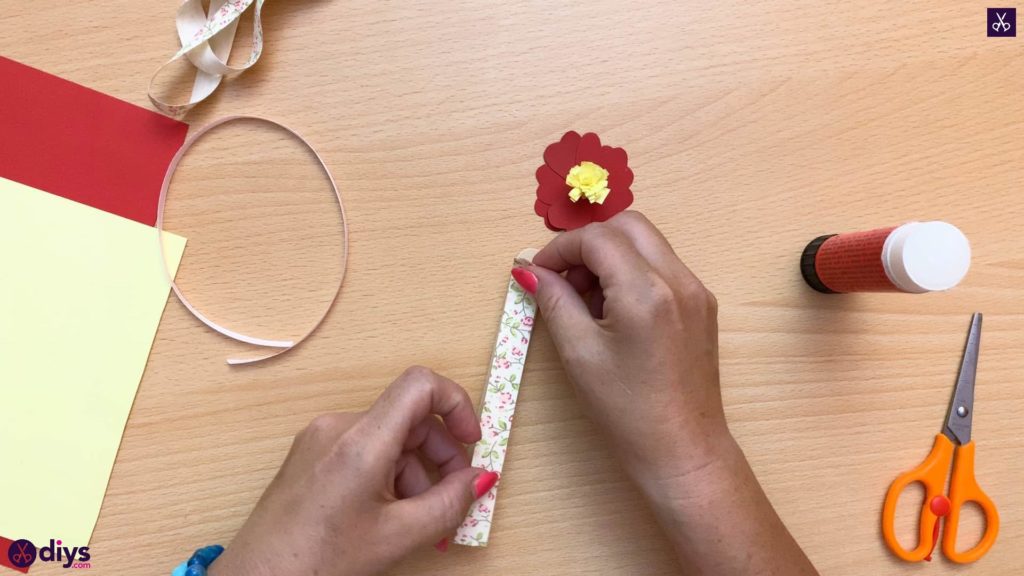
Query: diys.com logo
(23, 553)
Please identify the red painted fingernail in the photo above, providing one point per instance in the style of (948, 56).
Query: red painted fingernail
(442, 545)
(484, 482)
(526, 279)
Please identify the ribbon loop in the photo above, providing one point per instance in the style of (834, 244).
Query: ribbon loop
(206, 40)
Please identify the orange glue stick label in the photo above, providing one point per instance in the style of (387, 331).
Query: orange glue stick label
(853, 262)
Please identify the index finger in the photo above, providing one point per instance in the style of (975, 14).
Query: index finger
(416, 394)
(601, 248)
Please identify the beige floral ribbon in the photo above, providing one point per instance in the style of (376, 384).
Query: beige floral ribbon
(499, 403)
(206, 39)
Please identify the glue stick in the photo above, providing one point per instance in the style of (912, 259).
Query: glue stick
(916, 257)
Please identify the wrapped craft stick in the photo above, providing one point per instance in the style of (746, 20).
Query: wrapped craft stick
(499, 403)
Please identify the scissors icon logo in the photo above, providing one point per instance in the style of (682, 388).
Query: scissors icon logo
(1002, 24)
(1002, 21)
(21, 553)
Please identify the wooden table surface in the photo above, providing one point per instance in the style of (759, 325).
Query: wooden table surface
(751, 129)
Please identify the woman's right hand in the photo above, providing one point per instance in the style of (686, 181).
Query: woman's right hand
(638, 336)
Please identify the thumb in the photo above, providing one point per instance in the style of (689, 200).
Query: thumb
(439, 511)
(565, 313)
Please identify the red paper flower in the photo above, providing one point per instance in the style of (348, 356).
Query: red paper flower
(600, 179)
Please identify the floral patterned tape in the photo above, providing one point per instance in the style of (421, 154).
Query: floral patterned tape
(499, 402)
(206, 38)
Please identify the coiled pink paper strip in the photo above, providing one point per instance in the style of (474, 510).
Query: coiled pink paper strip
(283, 345)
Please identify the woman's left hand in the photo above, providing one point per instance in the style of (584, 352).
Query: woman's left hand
(354, 494)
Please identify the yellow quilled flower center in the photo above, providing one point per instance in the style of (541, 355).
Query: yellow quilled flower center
(588, 180)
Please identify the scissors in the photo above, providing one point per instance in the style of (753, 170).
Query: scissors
(1004, 26)
(933, 472)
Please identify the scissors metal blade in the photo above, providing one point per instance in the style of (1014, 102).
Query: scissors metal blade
(961, 407)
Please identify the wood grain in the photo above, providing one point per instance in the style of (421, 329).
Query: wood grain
(751, 129)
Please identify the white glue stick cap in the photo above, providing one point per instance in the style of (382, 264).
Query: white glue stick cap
(926, 256)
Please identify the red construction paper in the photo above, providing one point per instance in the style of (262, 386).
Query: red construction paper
(553, 202)
(75, 142)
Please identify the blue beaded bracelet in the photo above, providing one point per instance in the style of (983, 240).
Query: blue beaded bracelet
(199, 562)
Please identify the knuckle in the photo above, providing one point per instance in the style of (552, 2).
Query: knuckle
(710, 302)
(661, 299)
(457, 396)
(414, 380)
(633, 224)
(349, 450)
(693, 292)
(602, 233)
(321, 425)
(697, 296)
(631, 218)
(329, 440)
(417, 375)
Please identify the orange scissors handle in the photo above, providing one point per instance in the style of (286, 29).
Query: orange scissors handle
(932, 473)
(963, 488)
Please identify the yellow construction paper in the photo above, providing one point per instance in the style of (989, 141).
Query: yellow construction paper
(81, 295)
